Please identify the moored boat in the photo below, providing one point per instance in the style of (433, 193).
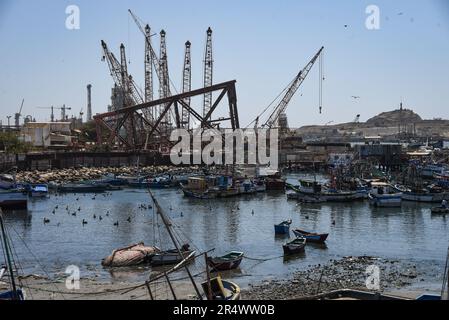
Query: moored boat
(311, 236)
(425, 196)
(82, 188)
(39, 191)
(440, 210)
(294, 246)
(229, 261)
(13, 199)
(384, 195)
(283, 227)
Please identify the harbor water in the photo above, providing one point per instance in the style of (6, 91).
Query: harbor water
(245, 223)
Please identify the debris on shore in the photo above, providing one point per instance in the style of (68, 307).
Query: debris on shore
(347, 273)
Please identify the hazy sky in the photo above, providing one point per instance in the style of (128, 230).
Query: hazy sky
(261, 44)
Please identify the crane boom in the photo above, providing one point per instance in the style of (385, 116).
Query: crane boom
(299, 79)
(187, 84)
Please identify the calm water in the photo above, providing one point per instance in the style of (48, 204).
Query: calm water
(244, 223)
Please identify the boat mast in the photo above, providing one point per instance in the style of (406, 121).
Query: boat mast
(8, 257)
(168, 225)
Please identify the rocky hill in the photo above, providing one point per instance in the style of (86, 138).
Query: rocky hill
(391, 118)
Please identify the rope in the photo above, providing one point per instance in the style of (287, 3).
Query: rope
(263, 259)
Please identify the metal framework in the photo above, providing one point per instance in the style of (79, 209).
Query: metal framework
(186, 85)
(114, 122)
(164, 80)
(208, 73)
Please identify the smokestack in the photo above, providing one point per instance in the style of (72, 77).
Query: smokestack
(89, 103)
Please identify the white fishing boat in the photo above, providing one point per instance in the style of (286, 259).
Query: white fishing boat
(425, 196)
(39, 191)
(384, 195)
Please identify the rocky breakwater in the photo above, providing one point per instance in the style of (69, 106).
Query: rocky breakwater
(85, 174)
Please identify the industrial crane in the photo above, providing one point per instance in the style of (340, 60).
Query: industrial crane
(18, 115)
(186, 84)
(63, 112)
(208, 72)
(299, 79)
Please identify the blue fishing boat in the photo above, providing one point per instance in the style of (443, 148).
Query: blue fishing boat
(311, 236)
(283, 227)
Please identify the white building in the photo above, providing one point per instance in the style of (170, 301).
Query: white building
(47, 134)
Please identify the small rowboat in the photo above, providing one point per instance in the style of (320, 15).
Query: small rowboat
(440, 210)
(229, 261)
(295, 246)
(283, 227)
(310, 236)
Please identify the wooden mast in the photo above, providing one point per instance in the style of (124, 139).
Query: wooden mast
(168, 224)
(8, 257)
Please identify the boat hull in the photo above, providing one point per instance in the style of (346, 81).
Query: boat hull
(294, 247)
(425, 197)
(223, 263)
(314, 238)
(282, 229)
(13, 200)
(388, 200)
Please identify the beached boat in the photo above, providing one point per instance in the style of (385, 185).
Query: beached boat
(130, 256)
(219, 289)
(294, 246)
(311, 236)
(283, 227)
(384, 195)
(13, 199)
(171, 257)
(229, 261)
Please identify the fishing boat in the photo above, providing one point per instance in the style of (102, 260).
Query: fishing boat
(39, 191)
(219, 289)
(275, 183)
(315, 189)
(440, 210)
(283, 227)
(311, 236)
(259, 185)
(82, 188)
(425, 195)
(13, 199)
(170, 257)
(130, 256)
(229, 261)
(294, 246)
(384, 195)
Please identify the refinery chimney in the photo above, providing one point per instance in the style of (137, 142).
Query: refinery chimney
(89, 103)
